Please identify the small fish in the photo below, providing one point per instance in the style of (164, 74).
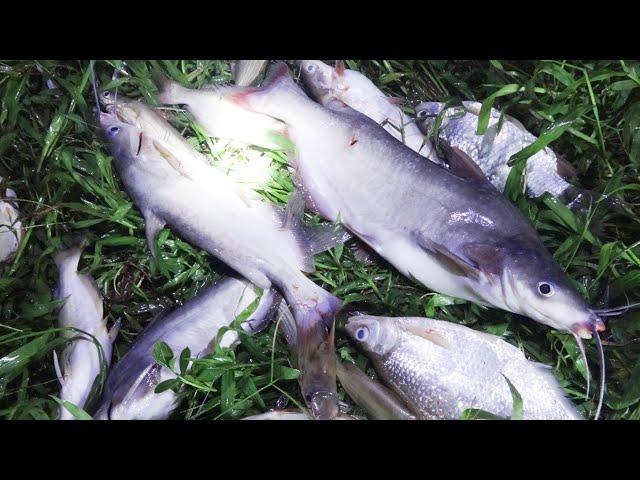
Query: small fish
(441, 368)
(261, 242)
(221, 118)
(449, 229)
(80, 362)
(130, 389)
(356, 90)
(545, 171)
(11, 229)
(246, 71)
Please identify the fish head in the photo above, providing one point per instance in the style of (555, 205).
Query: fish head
(107, 98)
(122, 137)
(373, 334)
(534, 285)
(324, 81)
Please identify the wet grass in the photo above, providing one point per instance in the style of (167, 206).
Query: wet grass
(52, 156)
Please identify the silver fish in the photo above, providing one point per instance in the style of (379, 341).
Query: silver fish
(441, 369)
(246, 71)
(221, 118)
(545, 171)
(129, 391)
(356, 90)
(81, 359)
(11, 229)
(454, 233)
(291, 415)
(255, 238)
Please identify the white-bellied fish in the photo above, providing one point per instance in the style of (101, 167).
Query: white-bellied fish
(11, 229)
(356, 90)
(82, 360)
(130, 389)
(450, 229)
(441, 368)
(257, 239)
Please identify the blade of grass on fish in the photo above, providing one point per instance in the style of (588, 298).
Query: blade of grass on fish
(478, 414)
(485, 110)
(77, 412)
(517, 401)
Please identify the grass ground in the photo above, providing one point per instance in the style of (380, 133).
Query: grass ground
(52, 156)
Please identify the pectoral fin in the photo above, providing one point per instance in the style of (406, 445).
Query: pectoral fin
(457, 264)
(153, 225)
(115, 329)
(171, 159)
(56, 366)
(462, 164)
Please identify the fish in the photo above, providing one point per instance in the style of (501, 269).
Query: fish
(441, 369)
(222, 119)
(360, 93)
(129, 392)
(448, 229)
(545, 171)
(246, 71)
(81, 361)
(291, 415)
(375, 399)
(263, 243)
(11, 228)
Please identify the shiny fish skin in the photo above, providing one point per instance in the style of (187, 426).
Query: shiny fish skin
(457, 368)
(251, 236)
(11, 229)
(492, 157)
(194, 325)
(221, 118)
(80, 361)
(246, 71)
(291, 415)
(360, 93)
(455, 234)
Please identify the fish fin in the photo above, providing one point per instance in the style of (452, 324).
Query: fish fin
(171, 159)
(170, 91)
(339, 68)
(153, 225)
(114, 330)
(146, 381)
(397, 101)
(565, 169)
(265, 312)
(428, 334)
(246, 71)
(455, 263)
(489, 258)
(313, 239)
(461, 164)
(68, 258)
(56, 366)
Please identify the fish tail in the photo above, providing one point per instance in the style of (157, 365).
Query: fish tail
(68, 258)
(314, 310)
(170, 91)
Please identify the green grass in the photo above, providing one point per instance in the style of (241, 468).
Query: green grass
(52, 156)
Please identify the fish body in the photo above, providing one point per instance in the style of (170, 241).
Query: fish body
(253, 237)
(221, 118)
(82, 309)
(456, 234)
(11, 229)
(246, 71)
(545, 172)
(441, 368)
(129, 391)
(356, 90)
(291, 415)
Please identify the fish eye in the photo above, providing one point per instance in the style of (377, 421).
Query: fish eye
(310, 68)
(545, 289)
(113, 131)
(422, 113)
(106, 94)
(362, 333)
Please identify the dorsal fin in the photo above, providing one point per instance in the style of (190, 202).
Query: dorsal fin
(428, 334)
(339, 68)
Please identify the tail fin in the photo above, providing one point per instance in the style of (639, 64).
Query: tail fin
(68, 259)
(170, 91)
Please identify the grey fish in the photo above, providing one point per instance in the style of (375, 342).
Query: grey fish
(356, 90)
(82, 309)
(255, 238)
(291, 415)
(454, 233)
(246, 71)
(129, 391)
(11, 229)
(545, 171)
(441, 369)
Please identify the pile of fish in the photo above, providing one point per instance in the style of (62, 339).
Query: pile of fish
(360, 162)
